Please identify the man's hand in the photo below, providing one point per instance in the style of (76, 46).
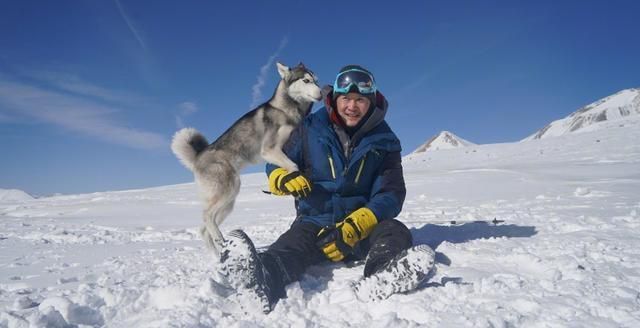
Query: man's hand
(338, 241)
(283, 183)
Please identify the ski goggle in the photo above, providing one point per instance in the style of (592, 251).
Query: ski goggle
(354, 77)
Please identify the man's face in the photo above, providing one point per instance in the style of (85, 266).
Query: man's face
(352, 107)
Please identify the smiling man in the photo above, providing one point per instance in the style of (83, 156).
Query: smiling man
(353, 106)
(348, 191)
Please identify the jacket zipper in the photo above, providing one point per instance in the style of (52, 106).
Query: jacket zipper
(360, 168)
(333, 170)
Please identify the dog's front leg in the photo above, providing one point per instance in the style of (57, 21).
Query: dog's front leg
(271, 149)
(277, 157)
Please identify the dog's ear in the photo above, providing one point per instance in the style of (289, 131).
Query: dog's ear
(283, 70)
(301, 65)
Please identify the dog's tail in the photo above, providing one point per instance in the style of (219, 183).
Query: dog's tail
(187, 144)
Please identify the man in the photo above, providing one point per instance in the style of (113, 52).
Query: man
(348, 191)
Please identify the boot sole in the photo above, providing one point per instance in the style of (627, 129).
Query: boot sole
(404, 273)
(256, 284)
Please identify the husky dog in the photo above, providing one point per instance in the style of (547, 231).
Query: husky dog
(261, 133)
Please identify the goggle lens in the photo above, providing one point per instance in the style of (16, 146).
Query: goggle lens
(355, 77)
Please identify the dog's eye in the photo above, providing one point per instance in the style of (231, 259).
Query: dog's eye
(306, 80)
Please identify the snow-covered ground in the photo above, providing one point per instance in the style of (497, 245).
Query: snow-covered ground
(567, 255)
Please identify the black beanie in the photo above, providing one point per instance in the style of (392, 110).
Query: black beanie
(371, 97)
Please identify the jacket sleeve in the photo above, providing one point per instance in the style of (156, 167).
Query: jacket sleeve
(292, 148)
(388, 191)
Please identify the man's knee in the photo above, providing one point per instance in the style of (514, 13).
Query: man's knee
(388, 239)
(394, 230)
(300, 238)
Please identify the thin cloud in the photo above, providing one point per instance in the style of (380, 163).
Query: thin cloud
(130, 24)
(262, 77)
(75, 114)
(138, 51)
(185, 109)
(76, 85)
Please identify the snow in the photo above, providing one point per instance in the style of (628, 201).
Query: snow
(602, 114)
(568, 253)
(444, 140)
(13, 195)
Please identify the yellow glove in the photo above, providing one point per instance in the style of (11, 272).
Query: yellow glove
(283, 183)
(338, 241)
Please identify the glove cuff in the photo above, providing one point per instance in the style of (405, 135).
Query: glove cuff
(274, 181)
(365, 221)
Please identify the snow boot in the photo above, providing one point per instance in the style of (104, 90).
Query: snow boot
(403, 273)
(241, 270)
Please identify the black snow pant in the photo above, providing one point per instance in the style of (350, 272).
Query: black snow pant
(295, 250)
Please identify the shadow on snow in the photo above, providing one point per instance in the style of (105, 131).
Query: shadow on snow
(317, 277)
(434, 235)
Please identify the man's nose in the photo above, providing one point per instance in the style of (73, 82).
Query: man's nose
(351, 103)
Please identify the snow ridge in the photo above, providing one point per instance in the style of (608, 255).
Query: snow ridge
(594, 116)
(14, 195)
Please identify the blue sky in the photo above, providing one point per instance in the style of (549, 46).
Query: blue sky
(92, 91)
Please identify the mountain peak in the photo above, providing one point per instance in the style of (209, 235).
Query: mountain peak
(13, 195)
(444, 140)
(616, 107)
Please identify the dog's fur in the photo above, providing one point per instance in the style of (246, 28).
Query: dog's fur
(261, 133)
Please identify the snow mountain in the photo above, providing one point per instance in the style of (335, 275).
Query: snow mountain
(444, 140)
(597, 115)
(14, 195)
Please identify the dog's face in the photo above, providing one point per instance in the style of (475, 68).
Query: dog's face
(302, 83)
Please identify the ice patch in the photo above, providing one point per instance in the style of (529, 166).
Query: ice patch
(20, 286)
(582, 191)
(71, 312)
(24, 302)
(48, 317)
(167, 298)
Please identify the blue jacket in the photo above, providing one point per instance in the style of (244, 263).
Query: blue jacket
(346, 174)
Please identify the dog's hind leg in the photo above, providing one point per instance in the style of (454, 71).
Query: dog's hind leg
(204, 233)
(226, 206)
(207, 215)
(212, 226)
(222, 184)
(209, 230)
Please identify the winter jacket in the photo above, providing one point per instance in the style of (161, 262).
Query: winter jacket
(347, 172)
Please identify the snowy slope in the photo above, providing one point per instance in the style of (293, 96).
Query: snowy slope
(601, 114)
(13, 195)
(444, 140)
(568, 254)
